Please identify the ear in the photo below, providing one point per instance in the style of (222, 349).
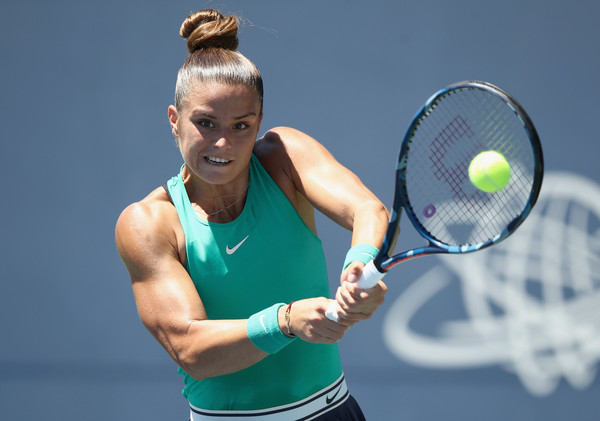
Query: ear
(260, 121)
(173, 117)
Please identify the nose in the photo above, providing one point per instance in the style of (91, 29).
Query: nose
(222, 139)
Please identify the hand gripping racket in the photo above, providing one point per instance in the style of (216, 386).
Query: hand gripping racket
(432, 178)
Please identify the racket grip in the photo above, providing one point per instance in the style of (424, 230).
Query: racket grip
(369, 278)
(331, 311)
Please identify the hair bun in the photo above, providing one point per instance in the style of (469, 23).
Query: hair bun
(209, 29)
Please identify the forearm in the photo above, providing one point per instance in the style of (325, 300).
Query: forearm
(212, 348)
(369, 226)
(370, 223)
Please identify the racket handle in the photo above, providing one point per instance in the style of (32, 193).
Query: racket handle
(369, 278)
(331, 311)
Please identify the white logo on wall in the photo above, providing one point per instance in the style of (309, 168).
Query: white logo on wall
(533, 301)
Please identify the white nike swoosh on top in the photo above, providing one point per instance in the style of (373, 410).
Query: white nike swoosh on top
(230, 251)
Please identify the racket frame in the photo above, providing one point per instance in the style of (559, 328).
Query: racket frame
(383, 262)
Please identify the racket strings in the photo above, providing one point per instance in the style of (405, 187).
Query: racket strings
(461, 124)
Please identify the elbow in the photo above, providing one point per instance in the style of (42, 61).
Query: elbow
(382, 210)
(191, 363)
(182, 350)
(375, 208)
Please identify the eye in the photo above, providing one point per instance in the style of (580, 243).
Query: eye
(240, 126)
(206, 123)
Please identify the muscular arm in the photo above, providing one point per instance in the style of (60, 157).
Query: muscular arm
(167, 301)
(150, 243)
(299, 164)
(304, 168)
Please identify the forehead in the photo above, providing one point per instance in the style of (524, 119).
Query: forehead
(221, 96)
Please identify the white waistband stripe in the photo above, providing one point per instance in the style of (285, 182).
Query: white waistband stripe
(307, 409)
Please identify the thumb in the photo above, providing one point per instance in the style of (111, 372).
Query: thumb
(354, 270)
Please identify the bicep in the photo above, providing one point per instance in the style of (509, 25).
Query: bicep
(165, 295)
(168, 302)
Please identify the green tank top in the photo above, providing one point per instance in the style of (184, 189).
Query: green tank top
(265, 256)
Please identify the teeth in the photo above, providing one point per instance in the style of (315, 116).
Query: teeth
(217, 160)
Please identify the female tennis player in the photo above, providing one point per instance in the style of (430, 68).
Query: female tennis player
(227, 270)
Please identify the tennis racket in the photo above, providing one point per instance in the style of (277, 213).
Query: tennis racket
(432, 181)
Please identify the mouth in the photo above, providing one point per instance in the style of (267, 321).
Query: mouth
(217, 161)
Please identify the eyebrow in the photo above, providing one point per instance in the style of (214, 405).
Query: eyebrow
(205, 114)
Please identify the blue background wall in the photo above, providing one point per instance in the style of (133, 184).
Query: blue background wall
(84, 93)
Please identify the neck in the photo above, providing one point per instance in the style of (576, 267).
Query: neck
(223, 204)
(216, 202)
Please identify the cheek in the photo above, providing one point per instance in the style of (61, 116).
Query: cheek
(187, 147)
(190, 138)
(248, 143)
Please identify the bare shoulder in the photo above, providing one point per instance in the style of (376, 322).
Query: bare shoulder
(326, 184)
(148, 228)
(291, 151)
(143, 216)
(285, 153)
(286, 142)
(272, 152)
(270, 149)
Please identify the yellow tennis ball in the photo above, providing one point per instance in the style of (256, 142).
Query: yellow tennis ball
(489, 171)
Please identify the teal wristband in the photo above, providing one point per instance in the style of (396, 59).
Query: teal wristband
(361, 252)
(264, 332)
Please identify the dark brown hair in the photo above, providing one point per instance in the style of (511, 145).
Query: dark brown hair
(212, 43)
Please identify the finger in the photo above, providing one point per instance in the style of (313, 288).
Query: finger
(345, 299)
(356, 295)
(352, 318)
(353, 272)
(331, 331)
(365, 294)
(360, 302)
(337, 314)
